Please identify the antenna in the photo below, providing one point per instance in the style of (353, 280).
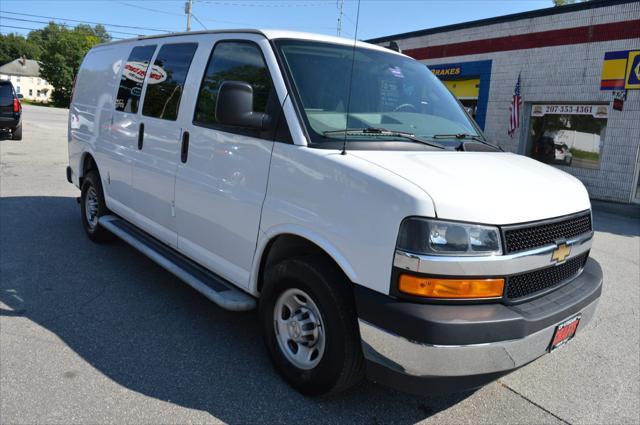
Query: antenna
(353, 60)
(340, 4)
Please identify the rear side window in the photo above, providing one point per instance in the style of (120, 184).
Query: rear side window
(132, 78)
(233, 61)
(6, 93)
(166, 80)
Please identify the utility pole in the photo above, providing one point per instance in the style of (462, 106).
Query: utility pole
(187, 10)
(340, 4)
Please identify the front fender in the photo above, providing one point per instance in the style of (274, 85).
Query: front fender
(291, 229)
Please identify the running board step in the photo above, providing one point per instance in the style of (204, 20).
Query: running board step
(209, 284)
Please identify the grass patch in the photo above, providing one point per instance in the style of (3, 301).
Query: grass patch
(32, 102)
(593, 156)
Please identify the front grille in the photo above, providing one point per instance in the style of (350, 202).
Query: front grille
(521, 238)
(522, 285)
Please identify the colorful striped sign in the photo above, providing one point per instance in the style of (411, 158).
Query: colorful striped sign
(616, 74)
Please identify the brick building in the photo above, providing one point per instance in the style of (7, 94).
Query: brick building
(580, 84)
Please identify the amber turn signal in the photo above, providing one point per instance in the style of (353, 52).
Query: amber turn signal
(450, 288)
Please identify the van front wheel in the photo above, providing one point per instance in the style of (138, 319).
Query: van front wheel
(92, 207)
(310, 325)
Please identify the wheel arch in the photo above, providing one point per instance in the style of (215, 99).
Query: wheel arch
(87, 163)
(290, 242)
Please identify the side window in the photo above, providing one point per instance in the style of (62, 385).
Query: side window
(166, 80)
(233, 61)
(132, 77)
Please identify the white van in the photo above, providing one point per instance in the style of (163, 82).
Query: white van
(343, 191)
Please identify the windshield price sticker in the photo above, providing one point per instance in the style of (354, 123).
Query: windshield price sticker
(597, 111)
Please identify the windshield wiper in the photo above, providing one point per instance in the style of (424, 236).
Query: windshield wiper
(465, 136)
(372, 131)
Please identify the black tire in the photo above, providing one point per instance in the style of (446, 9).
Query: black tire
(16, 134)
(94, 231)
(341, 365)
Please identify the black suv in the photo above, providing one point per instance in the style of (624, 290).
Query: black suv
(10, 110)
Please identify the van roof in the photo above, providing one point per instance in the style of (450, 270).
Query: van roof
(267, 33)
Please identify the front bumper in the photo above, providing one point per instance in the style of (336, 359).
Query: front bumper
(427, 348)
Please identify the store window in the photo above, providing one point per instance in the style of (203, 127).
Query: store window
(569, 135)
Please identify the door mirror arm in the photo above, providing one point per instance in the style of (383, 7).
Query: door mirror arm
(234, 106)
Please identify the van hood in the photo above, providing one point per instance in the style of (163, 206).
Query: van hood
(481, 187)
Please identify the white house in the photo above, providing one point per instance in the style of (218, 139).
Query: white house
(25, 76)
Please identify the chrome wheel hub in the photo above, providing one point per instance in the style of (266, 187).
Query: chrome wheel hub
(299, 328)
(91, 207)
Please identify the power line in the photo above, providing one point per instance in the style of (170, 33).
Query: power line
(149, 9)
(198, 20)
(57, 23)
(2, 26)
(18, 28)
(295, 4)
(88, 22)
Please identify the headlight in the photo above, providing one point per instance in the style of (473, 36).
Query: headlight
(437, 237)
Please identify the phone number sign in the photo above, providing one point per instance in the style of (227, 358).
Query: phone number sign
(597, 111)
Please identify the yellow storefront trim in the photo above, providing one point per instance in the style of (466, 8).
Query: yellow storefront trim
(614, 69)
(464, 89)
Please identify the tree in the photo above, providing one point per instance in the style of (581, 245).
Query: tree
(565, 2)
(62, 52)
(14, 46)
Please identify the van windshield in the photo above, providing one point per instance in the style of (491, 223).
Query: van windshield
(390, 94)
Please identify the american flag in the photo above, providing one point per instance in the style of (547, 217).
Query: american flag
(514, 109)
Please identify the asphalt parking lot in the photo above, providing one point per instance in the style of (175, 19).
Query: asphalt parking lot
(100, 334)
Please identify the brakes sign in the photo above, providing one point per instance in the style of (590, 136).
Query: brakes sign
(135, 71)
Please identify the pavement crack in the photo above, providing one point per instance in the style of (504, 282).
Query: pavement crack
(534, 403)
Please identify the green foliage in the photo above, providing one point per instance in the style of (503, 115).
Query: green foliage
(565, 2)
(62, 52)
(591, 156)
(14, 46)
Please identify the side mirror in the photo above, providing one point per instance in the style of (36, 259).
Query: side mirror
(234, 106)
(20, 96)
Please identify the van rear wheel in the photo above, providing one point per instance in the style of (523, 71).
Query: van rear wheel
(92, 207)
(310, 325)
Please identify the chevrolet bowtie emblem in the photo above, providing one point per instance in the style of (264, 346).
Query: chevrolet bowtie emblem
(561, 253)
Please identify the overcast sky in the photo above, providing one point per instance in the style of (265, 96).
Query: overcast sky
(377, 17)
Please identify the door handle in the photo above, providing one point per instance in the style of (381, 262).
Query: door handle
(140, 136)
(184, 150)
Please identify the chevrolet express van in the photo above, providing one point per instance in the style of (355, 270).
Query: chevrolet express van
(341, 189)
